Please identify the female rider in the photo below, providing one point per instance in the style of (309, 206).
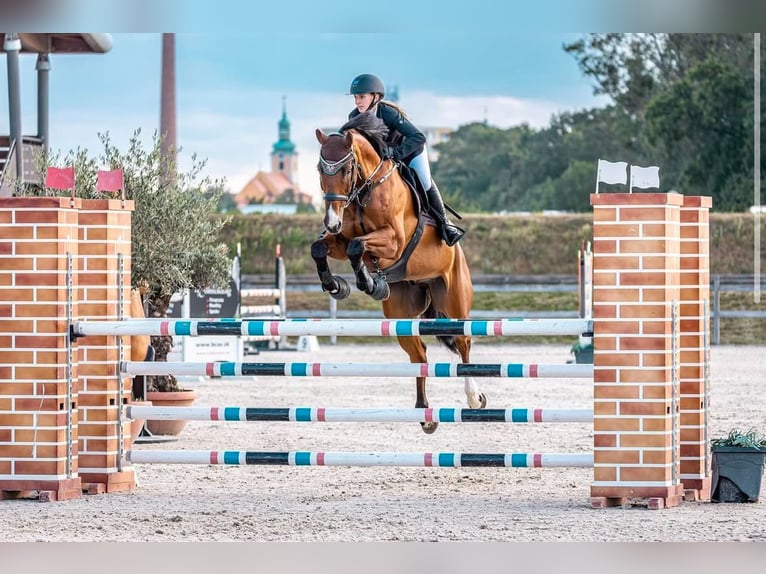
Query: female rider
(406, 144)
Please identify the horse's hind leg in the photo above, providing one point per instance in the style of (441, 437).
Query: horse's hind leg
(409, 301)
(474, 397)
(416, 350)
(456, 303)
(335, 285)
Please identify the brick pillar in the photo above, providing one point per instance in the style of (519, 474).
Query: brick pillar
(635, 312)
(38, 407)
(694, 346)
(104, 234)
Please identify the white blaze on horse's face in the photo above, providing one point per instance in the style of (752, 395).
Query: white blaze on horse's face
(335, 180)
(333, 217)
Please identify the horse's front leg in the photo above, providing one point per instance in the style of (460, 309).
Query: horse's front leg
(335, 285)
(379, 244)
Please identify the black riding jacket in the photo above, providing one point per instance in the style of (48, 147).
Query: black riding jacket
(404, 139)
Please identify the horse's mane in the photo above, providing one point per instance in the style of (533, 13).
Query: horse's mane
(371, 127)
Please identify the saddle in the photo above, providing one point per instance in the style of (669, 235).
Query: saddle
(397, 272)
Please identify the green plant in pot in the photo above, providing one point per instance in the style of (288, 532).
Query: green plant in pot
(737, 465)
(175, 233)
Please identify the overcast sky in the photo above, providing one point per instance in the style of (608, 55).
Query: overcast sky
(230, 88)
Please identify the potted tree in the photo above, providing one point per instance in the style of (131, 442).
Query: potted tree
(175, 231)
(737, 466)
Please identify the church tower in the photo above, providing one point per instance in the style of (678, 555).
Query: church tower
(284, 158)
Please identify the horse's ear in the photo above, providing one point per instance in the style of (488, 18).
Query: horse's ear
(321, 137)
(348, 139)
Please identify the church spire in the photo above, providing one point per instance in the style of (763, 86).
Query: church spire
(284, 158)
(284, 144)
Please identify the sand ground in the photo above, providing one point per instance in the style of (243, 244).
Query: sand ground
(265, 503)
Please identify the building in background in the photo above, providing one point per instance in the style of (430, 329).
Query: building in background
(276, 190)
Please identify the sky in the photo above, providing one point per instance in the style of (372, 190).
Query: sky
(230, 88)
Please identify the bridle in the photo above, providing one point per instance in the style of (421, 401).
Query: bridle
(356, 191)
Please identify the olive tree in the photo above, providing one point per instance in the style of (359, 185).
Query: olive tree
(175, 229)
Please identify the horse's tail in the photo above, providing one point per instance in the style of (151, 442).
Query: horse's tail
(446, 340)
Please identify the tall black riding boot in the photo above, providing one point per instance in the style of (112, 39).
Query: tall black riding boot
(450, 232)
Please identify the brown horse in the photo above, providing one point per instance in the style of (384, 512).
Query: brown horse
(372, 219)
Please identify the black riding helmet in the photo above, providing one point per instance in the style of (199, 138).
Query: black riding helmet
(367, 84)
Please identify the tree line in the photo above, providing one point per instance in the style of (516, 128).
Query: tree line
(684, 102)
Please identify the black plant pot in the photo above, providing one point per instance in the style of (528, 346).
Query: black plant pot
(737, 473)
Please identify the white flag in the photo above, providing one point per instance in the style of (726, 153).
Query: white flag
(612, 172)
(644, 177)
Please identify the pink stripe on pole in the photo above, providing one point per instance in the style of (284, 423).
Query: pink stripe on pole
(321, 415)
(274, 328)
(424, 369)
(538, 415)
(316, 369)
(210, 369)
(429, 415)
(214, 415)
(213, 457)
(532, 370)
(498, 328)
(164, 328)
(428, 459)
(537, 460)
(385, 328)
(320, 459)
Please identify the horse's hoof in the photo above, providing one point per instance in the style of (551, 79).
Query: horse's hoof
(482, 400)
(429, 428)
(381, 291)
(343, 290)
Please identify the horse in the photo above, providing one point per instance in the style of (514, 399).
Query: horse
(140, 345)
(372, 219)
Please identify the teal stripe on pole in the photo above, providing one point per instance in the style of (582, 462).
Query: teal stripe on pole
(303, 414)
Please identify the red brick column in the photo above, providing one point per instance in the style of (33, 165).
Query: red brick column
(38, 408)
(635, 312)
(105, 233)
(695, 344)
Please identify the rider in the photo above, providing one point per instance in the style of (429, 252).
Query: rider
(407, 144)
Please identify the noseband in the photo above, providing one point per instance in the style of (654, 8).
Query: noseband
(333, 167)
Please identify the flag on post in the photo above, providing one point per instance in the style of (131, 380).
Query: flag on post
(109, 180)
(60, 178)
(611, 172)
(644, 177)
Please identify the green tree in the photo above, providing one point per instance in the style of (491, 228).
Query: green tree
(175, 228)
(691, 96)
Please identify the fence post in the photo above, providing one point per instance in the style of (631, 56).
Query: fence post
(717, 310)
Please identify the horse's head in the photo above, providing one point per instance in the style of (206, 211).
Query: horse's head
(338, 170)
(348, 160)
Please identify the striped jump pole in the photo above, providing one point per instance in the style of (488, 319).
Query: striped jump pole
(307, 458)
(273, 310)
(264, 292)
(331, 415)
(232, 369)
(333, 327)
